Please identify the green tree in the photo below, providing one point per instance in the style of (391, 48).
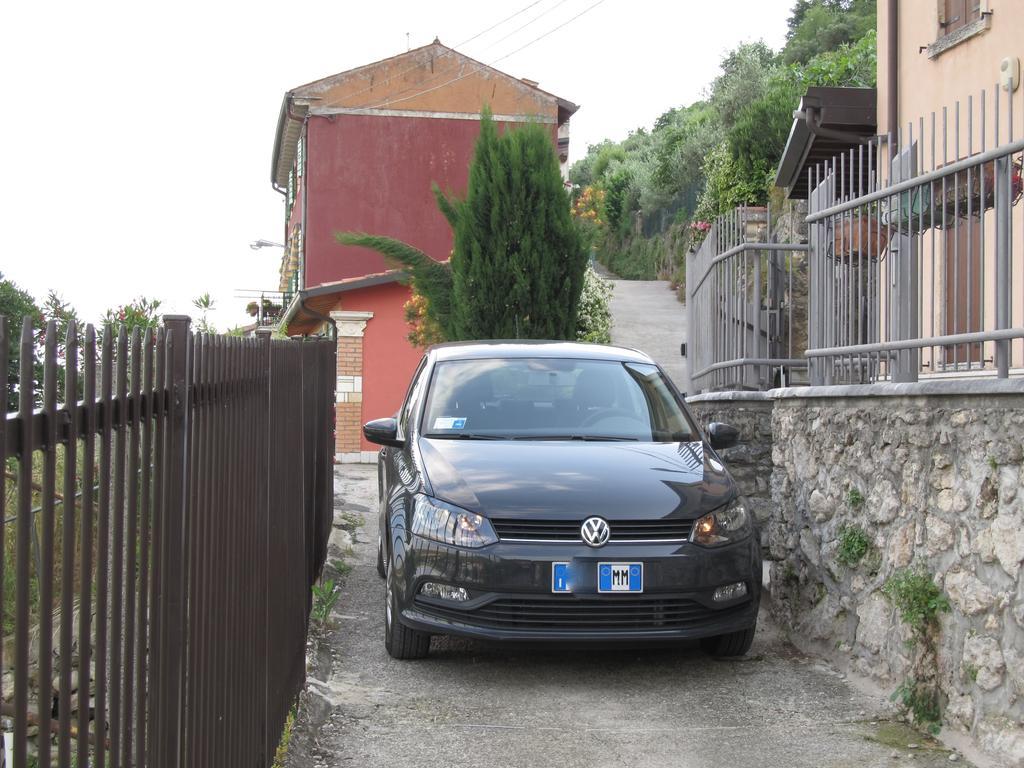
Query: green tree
(16, 304)
(758, 136)
(516, 269)
(817, 26)
(63, 314)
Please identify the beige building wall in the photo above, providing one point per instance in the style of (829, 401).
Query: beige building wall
(939, 72)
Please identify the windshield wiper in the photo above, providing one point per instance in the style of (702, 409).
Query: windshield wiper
(465, 436)
(594, 438)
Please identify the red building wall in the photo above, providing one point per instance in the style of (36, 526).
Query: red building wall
(388, 357)
(373, 173)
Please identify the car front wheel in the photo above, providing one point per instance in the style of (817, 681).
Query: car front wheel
(400, 641)
(731, 644)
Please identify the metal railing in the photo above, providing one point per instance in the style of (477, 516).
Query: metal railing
(917, 250)
(742, 291)
(170, 597)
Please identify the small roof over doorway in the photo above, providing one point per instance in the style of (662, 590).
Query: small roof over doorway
(829, 122)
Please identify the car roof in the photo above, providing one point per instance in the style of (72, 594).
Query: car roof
(499, 348)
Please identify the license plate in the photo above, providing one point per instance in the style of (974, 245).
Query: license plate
(560, 577)
(620, 577)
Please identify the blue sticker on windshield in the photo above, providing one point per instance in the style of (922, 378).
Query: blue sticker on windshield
(447, 422)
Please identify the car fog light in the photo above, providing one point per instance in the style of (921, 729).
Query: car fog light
(444, 592)
(730, 592)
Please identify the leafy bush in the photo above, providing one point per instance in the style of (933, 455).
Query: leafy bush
(594, 319)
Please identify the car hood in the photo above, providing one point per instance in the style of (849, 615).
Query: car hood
(573, 480)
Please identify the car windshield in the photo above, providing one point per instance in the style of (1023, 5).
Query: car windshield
(552, 399)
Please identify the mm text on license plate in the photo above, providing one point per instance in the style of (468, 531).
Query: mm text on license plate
(620, 577)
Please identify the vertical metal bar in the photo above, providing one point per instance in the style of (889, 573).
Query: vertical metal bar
(971, 255)
(265, 447)
(5, 393)
(132, 544)
(1004, 211)
(956, 235)
(981, 227)
(197, 540)
(26, 401)
(67, 567)
(46, 521)
(936, 296)
(103, 544)
(167, 720)
(146, 511)
(118, 548)
(160, 438)
(86, 537)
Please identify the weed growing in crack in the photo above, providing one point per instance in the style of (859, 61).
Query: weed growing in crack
(854, 544)
(855, 498)
(325, 596)
(919, 602)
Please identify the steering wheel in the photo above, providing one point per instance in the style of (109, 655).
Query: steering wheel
(607, 413)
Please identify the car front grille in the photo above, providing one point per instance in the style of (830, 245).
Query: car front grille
(572, 612)
(509, 529)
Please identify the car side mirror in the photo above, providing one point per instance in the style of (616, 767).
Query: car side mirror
(722, 435)
(383, 432)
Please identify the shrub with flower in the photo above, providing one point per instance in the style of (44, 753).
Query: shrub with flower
(423, 331)
(588, 213)
(594, 317)
(698, 231)
(589, 205)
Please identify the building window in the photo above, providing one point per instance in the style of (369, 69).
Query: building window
(298, 158)
(958, 20)
(954, 14)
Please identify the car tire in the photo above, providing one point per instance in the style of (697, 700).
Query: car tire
(731, 644)
(382, 569)
(400, 641)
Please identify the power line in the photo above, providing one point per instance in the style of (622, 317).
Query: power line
(495, 26)
(536, 18)
(537, 39)
(417, 66)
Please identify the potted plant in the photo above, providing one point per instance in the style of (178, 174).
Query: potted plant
(859, 235)
(252, 308)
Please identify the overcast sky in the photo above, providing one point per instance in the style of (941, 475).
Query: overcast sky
(138, 135)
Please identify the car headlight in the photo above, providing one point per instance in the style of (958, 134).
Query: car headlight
(723, 526)
(438, 521)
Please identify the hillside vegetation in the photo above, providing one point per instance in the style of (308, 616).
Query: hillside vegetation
(642, 202)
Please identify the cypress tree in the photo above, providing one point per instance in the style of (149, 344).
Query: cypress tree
(517, 266)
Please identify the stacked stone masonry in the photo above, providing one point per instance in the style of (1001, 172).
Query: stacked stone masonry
(937, 483)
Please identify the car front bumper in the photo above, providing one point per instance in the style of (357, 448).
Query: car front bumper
(510, 596)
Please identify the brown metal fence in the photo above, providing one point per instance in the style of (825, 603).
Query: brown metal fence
(169, 519)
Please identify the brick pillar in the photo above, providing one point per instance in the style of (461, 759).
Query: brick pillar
(349, 406)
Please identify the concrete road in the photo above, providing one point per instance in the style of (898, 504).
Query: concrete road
(474, 705)
(646, 315)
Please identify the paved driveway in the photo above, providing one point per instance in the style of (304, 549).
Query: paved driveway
(646, 315)
(474, 705)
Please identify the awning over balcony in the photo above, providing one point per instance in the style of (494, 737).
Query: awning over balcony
(830, 121)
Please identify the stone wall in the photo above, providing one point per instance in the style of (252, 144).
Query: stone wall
(750, 462)
(934, 476)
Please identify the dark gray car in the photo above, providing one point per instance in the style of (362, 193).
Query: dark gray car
(551, 491)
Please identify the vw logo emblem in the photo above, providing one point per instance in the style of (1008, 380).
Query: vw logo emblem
(595, 531)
